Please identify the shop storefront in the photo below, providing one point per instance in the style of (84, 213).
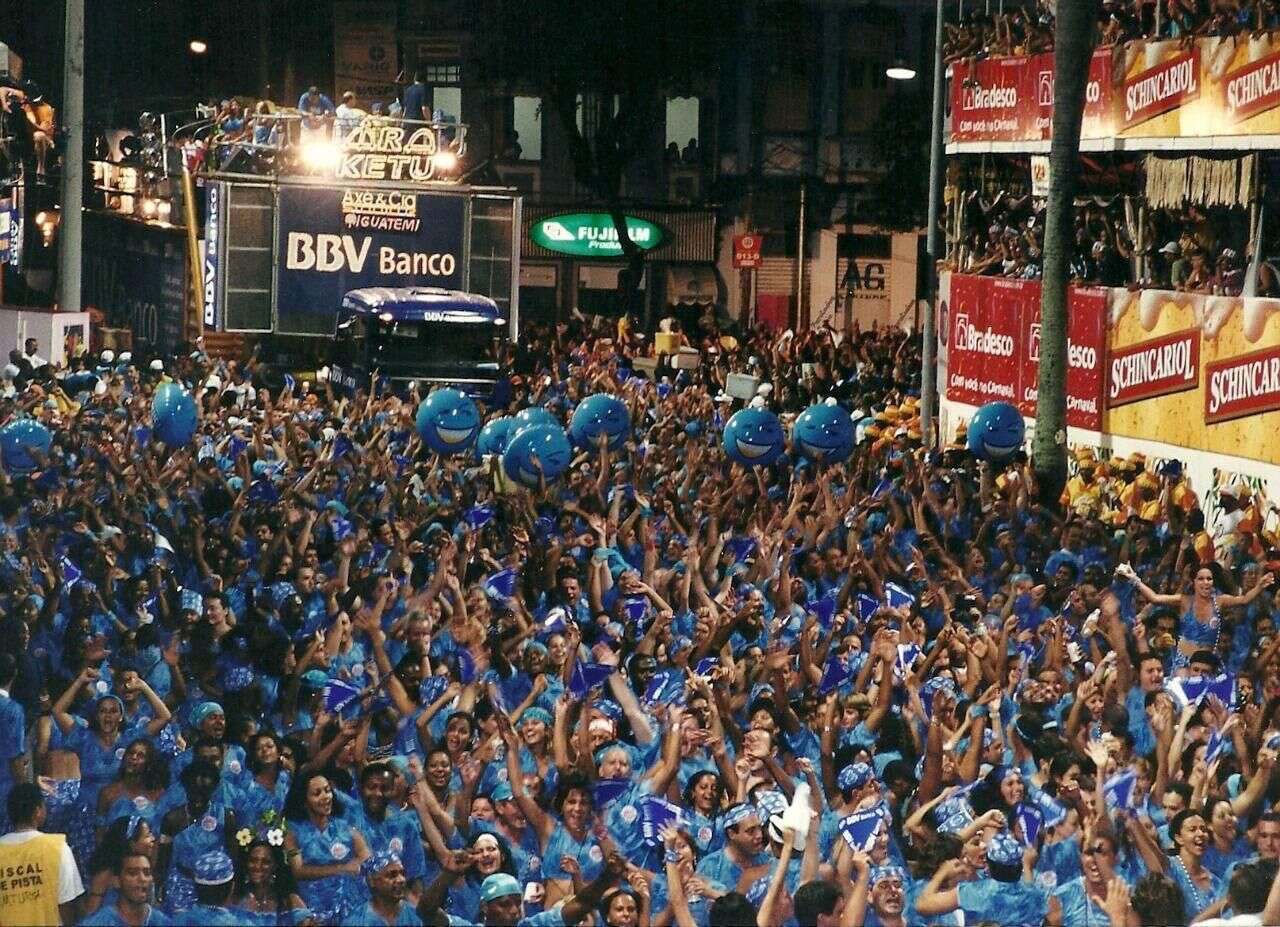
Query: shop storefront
(571, 260)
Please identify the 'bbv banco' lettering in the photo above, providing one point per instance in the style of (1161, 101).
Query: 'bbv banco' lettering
(326, 253)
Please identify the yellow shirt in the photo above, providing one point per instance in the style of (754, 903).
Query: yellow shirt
(1076, 488)
(29, 874)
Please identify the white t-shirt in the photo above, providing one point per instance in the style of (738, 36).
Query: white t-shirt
(69, 885)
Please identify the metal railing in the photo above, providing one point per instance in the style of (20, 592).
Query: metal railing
(293, 143)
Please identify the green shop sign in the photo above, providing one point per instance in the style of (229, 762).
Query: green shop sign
(592, 234)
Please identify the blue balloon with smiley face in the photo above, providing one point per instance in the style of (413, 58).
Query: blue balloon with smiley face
(601, 414)
(548, 443)
(754, 437)
(173, 415)
(448, 421)
(18, 439)
(824, 433)
(494, 435)
(996, 432)
(534, 415)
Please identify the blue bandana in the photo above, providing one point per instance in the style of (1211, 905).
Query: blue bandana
(378, 861)
(855, 776)
(213, 868)
(203, 710)
(737, 814)
(1004, 850)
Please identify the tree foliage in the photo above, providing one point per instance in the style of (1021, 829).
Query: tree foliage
(623, 60)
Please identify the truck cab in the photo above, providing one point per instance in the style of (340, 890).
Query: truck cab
(427, 334)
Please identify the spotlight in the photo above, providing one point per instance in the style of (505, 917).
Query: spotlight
(320, 156)
(444, 161)
(198, 46)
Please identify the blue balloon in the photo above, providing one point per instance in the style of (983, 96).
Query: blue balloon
(549, 443)
(448, 421)
(996, 432)
(16, 440)
(173, 415)
(598, 415)
(534, 415)
(824, 433)
(754, 438)
(494, 435)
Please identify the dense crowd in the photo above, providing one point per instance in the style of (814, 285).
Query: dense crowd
(304, 671)
(1027, 28)
(1194, 250)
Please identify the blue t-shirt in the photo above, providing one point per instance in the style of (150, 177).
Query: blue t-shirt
(108, 916)
(1009, 904)
(405, 916)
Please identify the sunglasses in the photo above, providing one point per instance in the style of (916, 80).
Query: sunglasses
(1096, 851)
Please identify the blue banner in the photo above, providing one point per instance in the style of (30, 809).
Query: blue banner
(332, 240)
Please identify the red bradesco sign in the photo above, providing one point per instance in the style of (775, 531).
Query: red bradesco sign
(994, 348)
(1086, 319)
(982, 353)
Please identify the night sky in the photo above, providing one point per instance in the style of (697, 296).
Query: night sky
(137, 57)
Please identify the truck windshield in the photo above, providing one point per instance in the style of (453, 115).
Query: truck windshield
(430, 346)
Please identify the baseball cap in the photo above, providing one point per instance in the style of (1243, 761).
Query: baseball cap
(501, 792)
(499, 885)
(1171, 248)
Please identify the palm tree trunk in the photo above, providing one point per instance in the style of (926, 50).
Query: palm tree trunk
(1073, 45)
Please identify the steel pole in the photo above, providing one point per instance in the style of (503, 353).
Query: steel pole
(929, 375)
(70, 246)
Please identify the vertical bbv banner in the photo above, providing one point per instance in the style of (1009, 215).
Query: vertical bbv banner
(364, 50)
(1196, 371)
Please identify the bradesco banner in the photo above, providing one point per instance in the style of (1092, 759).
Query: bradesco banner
(982, 351)
(333, 240)
(1196, 371)
(993, 352)
(993, 100)
(1168, 89)
(1086, 328)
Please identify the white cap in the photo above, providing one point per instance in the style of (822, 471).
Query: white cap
(10, 371)
(764, 389)
(108, 356)
(232, 422)
(100, 388)
(328, 433)
(214, 382)
(157, 364)
(125, 357)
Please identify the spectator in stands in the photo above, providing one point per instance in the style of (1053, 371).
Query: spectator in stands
(265, 126)
(416, 105)
(317, 110)
(348, 115)
(1229, 280)
(1199, 277)
(1166, 263)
